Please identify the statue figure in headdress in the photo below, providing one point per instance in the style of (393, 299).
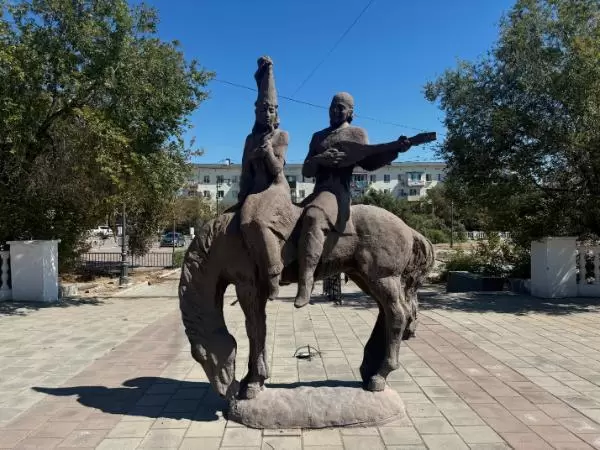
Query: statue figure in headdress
(266, 219)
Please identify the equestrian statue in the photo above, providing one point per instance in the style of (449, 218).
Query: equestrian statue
(266, 240)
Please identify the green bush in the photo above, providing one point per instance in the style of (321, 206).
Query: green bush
(436, 236)
(178, 257)
(460, 260)
(493, 257)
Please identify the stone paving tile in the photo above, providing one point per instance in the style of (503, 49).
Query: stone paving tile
(241, 436)
(444, 442)
(84, 438)
(168, 438)
(283, 443)
(525, 441)
(200, 443)
(400, 436)
(119, 444)
(478, 435)
(38, 443)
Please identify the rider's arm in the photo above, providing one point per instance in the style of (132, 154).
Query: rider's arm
(310, 166)
(275, 156)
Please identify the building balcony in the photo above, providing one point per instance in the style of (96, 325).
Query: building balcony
(415, 182)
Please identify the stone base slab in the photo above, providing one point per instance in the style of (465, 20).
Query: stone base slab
(317, 407)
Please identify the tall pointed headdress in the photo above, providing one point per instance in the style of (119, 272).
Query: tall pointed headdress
(265, 81)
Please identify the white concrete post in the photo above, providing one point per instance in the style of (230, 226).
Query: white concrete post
(553, 270)
(34, 270)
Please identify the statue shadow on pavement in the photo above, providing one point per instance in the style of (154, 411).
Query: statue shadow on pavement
(193, 400)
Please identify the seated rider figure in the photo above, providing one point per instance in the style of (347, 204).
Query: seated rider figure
(332, 156)
(266, 210)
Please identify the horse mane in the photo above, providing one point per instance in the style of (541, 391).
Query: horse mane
(199, 250)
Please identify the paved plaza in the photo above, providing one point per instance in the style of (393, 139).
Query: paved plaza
(484, 372)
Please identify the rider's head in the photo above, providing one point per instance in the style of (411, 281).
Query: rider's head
(341, 109)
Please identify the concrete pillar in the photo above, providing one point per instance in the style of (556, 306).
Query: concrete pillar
(34, 271)
(553, 270)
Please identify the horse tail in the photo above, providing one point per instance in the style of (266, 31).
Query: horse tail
(421, 262)
(201, 292)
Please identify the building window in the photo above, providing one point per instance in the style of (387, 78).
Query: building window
(427, 177)
(207, 179)
(399, 177)
(439, 177)
(234, 179)
(413, 192)
(403, 193)
(220, 194)
(373, 178)
(206, 194)
(386, 178)
(220, 179)
(302, 193)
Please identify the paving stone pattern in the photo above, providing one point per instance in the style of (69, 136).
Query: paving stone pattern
(485, 372)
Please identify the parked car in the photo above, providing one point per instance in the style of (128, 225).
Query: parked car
(171, 239)
(103, 231)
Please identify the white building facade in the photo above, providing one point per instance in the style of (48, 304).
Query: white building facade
(408, 180)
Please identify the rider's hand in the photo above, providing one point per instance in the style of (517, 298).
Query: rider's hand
(262, 150)
(331, 157)
(405, 143)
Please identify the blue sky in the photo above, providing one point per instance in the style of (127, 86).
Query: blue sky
(384, 62)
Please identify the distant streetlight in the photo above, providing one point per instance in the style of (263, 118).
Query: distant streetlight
(124, 278)
(220, 182)
(451, 223)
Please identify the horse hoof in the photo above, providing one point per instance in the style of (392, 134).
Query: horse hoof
(376, 383)
(408, 334)
(301, 302)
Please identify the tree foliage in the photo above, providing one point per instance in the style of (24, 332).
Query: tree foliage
(191, 212)
(431, 216)
(93, 109)
(523, 142)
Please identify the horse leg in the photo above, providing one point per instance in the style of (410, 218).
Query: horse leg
(375, 347)
(389, 294)
(413, 306)
(253, 305)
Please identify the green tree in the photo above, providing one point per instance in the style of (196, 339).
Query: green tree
(430, 216)
(191, 212)
(93, 110)
(523, 142)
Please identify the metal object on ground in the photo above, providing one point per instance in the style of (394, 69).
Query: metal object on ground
(309, 352)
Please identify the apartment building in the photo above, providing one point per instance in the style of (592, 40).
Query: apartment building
(409, 180)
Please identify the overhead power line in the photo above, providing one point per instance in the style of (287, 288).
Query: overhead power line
(340, 39)
(313, 105)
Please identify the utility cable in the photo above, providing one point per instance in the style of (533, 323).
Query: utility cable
(340, 39)
(313, 105)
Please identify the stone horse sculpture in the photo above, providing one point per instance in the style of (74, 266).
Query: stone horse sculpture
(386, 258)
